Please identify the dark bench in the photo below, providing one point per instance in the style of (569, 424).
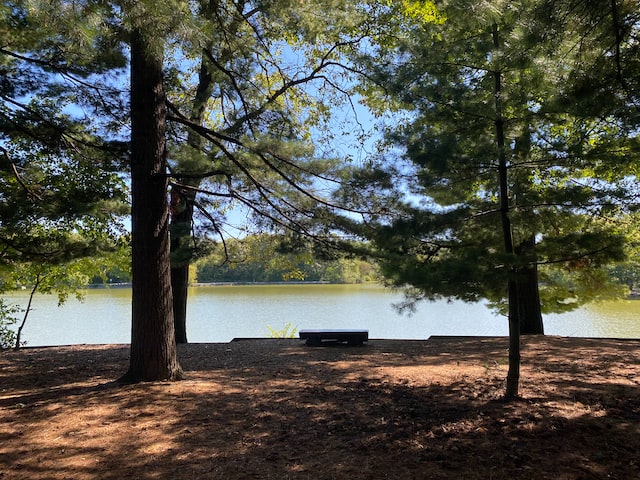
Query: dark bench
(351, 337)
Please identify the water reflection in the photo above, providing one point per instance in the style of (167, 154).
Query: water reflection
(619, 319)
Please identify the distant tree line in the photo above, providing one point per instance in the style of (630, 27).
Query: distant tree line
(272, 258)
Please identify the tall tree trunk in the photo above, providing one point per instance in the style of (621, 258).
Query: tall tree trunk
(513, 375)
(182, 212)
(153, 348)
(530, 312)
(181, 224)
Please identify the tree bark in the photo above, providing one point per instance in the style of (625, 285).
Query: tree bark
(181, 224)
(27, 310)
(180, 284)
(513, 375)
(182, 212)
(153, 348)
(528, 290)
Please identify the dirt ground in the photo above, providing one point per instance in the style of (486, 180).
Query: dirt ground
(276, 409)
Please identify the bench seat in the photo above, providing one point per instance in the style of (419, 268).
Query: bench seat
(351, 337)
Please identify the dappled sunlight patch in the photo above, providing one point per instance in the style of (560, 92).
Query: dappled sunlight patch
(282, 410)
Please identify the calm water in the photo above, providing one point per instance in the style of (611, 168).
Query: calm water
(221, 313)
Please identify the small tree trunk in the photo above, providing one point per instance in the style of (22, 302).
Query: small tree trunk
(27, 310)
(153, 348)
(513, 375)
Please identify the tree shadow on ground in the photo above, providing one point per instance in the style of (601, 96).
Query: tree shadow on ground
(49, 367)
(280, 410)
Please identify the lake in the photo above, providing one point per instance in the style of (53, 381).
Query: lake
(221, 313)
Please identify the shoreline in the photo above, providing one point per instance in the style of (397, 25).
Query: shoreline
(433, 339)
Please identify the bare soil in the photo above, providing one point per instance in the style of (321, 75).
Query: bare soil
(276, 409)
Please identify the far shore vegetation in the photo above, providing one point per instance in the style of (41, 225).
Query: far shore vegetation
(270, 258)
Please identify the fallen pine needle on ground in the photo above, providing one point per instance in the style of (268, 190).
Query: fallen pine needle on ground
(277, 409)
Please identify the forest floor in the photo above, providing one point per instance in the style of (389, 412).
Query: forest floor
(276, 409)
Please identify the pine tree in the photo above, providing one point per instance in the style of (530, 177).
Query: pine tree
(62, 196)
(61, 192)
(514, 178)
(264, 78)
